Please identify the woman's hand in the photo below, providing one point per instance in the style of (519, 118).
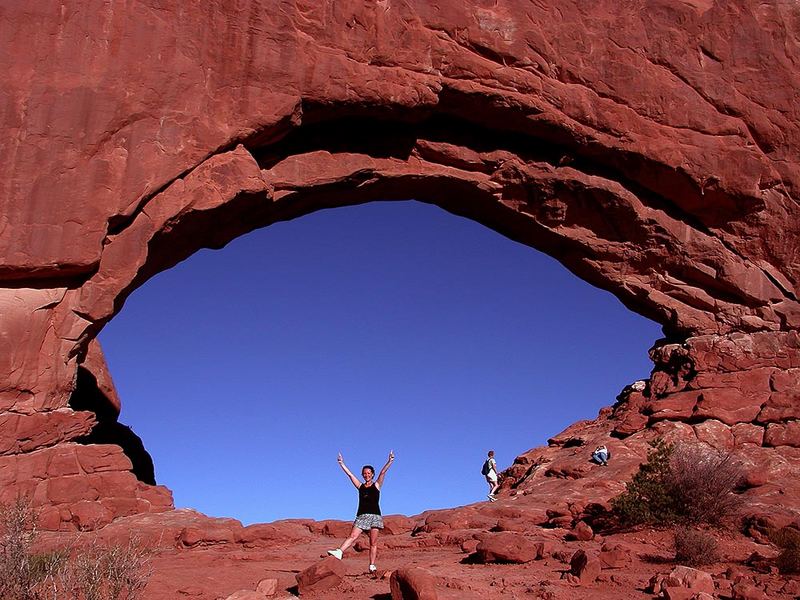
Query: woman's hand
(339, 459)
(391, 455)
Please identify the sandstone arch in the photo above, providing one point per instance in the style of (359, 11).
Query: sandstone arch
(652, 151)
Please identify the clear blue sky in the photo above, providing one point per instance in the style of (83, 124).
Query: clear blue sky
(392, 325)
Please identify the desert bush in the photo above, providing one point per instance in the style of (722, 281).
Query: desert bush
(704, 481)
(647, 497)
(788, 540)
(92, 572)
(106, 573)
(18, 575)
(684, 483)
(694, 547)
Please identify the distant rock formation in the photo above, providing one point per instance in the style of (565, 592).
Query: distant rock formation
(653, 151)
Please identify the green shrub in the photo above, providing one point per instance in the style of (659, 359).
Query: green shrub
(684, 483)
(694, 547)
(647, 497)
(788, 540)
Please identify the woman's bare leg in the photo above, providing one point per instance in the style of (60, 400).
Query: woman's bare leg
(373, 545)
(351, 540)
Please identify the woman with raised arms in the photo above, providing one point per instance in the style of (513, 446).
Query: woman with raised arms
(368, 515)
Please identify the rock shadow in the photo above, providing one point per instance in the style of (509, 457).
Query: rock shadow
(87, 396)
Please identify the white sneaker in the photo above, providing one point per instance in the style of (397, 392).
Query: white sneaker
(336, 553)
(372, 568)
(492, 498)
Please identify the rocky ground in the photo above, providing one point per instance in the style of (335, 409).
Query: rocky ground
(526, 545)
(208, 559)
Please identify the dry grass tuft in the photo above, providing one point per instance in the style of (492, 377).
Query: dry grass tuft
(94, 572)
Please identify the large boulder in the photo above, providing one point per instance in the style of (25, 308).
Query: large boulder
(692, 580)
(325, 574)
(412, 583)
(505, 548)
(585, 566)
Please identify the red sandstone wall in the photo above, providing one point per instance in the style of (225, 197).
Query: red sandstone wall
(652, 147)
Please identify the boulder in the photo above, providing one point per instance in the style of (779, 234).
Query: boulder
(743, 590)
(325, 574)
(262, 534)
(581, 532)
(505, 548)
(268, 587)
(207, 535)
(336, 529)
(246, 595)
(514, 525)
(544, 549)
(690, 579)
(783, 434)
(585, 566)
(412, 583)
(615, 556)
(397, 524)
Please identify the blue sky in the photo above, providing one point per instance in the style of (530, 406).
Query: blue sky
(391, 325)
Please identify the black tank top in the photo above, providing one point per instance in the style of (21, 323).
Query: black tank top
(368, 498)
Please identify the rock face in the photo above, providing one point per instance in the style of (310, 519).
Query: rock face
(652, 150)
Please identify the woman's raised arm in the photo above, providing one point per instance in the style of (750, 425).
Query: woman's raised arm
(385, 468)
(352, 477)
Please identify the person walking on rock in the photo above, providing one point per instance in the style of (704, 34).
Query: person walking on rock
(489, 471)
(368, 515)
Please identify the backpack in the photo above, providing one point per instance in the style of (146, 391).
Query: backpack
(486, 468)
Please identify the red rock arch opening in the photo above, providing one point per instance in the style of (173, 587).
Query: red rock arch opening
(278, 362)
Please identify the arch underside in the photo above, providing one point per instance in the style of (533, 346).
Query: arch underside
(533, 185)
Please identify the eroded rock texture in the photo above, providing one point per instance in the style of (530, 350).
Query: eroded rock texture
(650, 146)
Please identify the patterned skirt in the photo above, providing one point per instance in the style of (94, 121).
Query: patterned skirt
(366, 522)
